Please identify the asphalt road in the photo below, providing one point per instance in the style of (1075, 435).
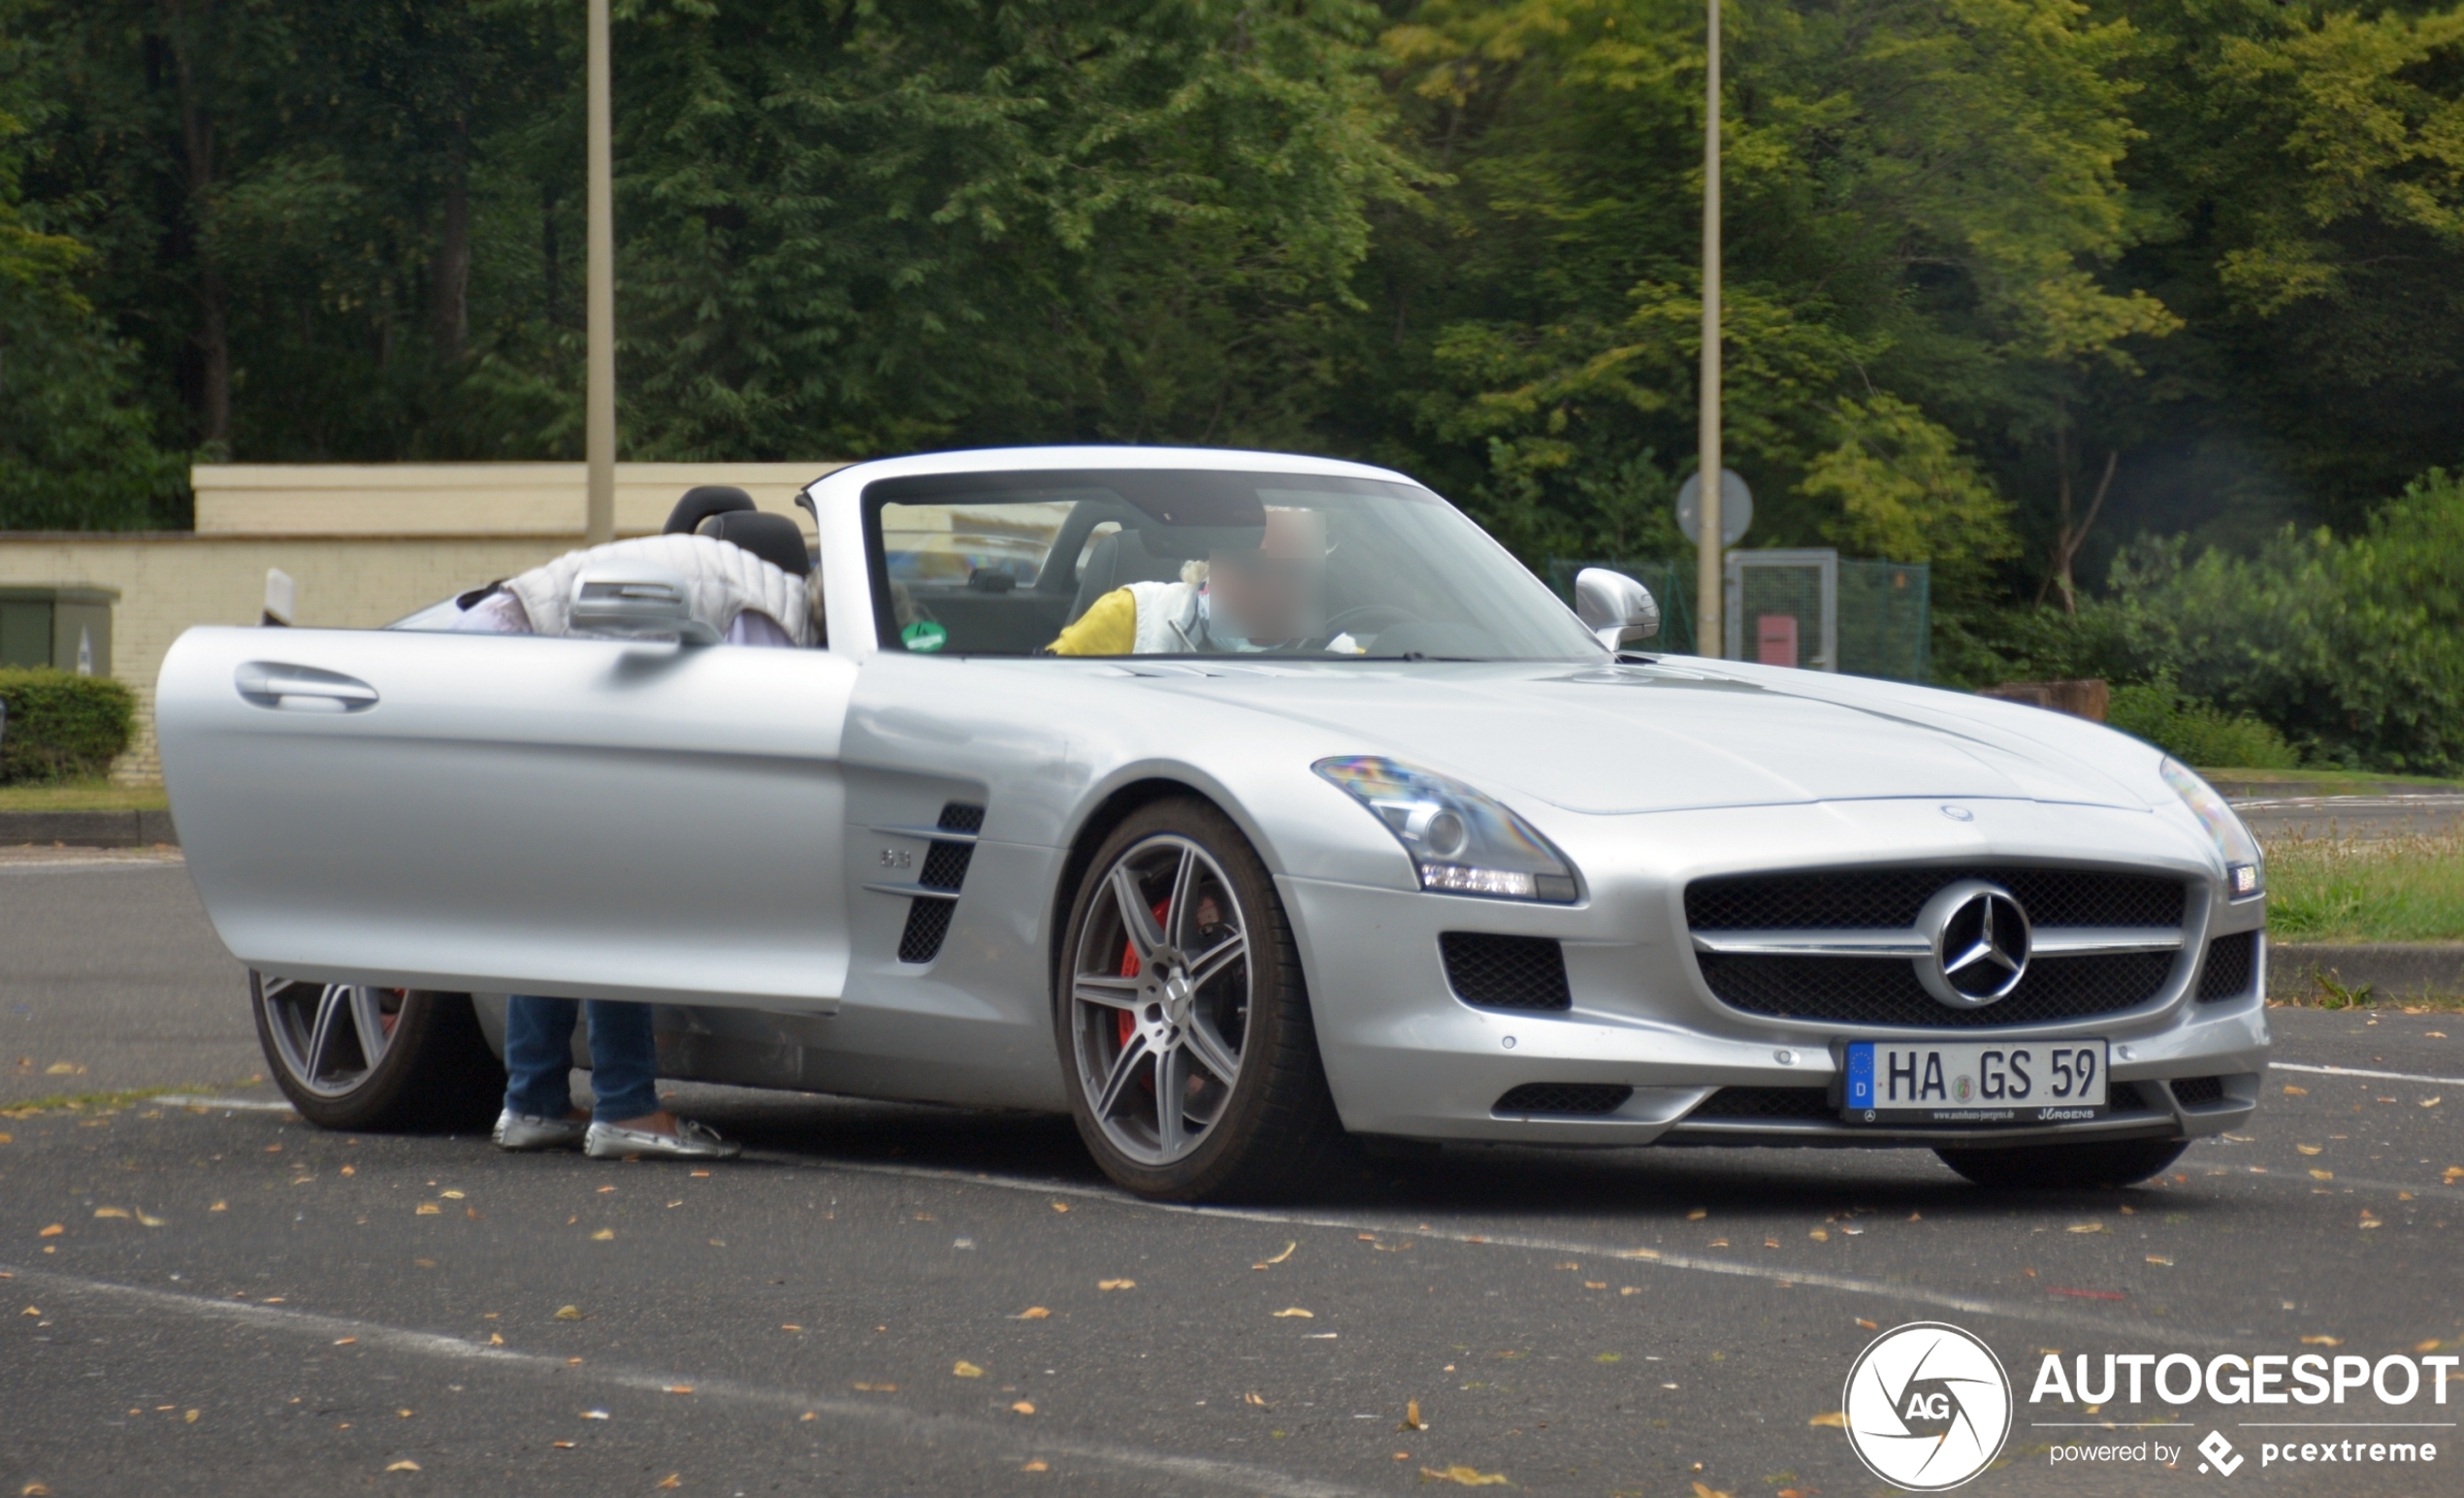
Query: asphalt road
(889, 1300)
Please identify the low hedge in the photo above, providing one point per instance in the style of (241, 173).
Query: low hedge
(61, 725)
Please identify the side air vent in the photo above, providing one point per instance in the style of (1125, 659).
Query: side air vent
(2198, 1091)
(2232, 962)
(1505, 972)
(945, 872)
(1575, 1098)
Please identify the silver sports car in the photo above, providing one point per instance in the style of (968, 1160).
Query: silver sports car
(1239, 804)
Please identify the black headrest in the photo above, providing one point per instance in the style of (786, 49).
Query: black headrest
(774, 539)
(700, 503)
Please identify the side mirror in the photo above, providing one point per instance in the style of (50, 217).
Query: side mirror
(1618, 609)
(638, 601)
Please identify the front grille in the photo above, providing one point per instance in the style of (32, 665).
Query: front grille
(1883, 990)
(1768, 1102)
(1505, 972)
(928, 923)
(2198, 1091)
(1892, 897)
(2231, 962)
(1565, 1097)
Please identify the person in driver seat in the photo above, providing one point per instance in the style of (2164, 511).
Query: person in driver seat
(1237, 602)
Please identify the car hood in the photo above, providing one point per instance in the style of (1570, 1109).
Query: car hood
(1668, 739)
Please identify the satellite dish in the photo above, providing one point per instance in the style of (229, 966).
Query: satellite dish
(1737, 509)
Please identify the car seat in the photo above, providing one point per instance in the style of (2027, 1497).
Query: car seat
(700, 503)
(774, 539)
(1118, 560)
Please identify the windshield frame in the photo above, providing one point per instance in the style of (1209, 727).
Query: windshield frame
(1029, 483)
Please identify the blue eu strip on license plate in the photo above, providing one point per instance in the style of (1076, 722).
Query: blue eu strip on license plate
(1974, 1082)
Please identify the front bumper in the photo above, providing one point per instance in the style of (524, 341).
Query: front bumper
(1406, 1057)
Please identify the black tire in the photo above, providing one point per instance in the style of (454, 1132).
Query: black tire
(432, 1068)
(1273, 1130)
(2053, 1167)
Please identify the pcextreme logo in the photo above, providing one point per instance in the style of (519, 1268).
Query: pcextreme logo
(1927, 1406)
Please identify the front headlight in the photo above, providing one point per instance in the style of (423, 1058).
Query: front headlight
(2244, 875)
(1461, 841)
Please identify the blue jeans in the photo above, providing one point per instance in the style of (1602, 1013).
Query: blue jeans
(538, 1057)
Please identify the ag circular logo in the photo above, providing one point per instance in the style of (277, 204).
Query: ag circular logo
(1927, 1406)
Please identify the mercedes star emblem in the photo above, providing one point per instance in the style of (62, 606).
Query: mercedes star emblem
(1976, 944)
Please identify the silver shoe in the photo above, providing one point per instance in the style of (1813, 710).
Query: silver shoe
(691, 1141)
(529, 1131)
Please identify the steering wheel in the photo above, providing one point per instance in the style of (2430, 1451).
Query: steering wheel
(1345, 622)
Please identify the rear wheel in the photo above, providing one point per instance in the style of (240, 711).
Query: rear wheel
(1191, 1061)
(349, 1056)
(2067, 1166)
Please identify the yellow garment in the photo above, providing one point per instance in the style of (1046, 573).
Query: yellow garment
(1109, 627)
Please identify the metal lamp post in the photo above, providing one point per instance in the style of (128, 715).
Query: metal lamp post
(1709, 616)
(598, 425)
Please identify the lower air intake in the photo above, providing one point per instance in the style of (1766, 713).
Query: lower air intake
(1565, 1097)
(1505, 972)
(2232, 962)
(1768, 1102)
(2198, 1091)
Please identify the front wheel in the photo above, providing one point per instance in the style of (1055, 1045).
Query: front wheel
(2067, 1166)
(349, 1056)
(1183, 1023)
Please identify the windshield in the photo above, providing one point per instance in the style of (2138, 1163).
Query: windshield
(1200, 562)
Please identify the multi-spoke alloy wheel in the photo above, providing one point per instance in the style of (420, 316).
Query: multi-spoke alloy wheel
(1161, 1002)
(349, 1056)
(1182, 1016)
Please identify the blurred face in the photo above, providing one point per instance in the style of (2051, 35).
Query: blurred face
(1276, 594)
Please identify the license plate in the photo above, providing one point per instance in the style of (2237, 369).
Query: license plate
(2031, 1082)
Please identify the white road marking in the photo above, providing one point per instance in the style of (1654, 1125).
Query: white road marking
(376, 1335)
(242, 1104)
(2351, 1071)
(1973, 1305)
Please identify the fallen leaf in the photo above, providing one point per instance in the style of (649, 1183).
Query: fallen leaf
(151, 1221)
(966, 1370)
(2311, 1149)
(405, 1414)
(274, 1148)
(404, 1465)
(789, 1327)
(1595, 1284)
(1115, 1284)
(700, 1174)
(352, 1170)
(447, 1195)
(675, 1389)
(569, 1313)
(2430, 1345)
(496, 1338)
(1698, 1214)
(8, 1139)
(879, 1388)
(1060, 1206)
(1290, 1310)
(562, 1446)
(2296, 1092)
(1254, 1397)
(1836, 1419)
(2085, 1228)
(1411, 1415)
(220, 1205)
(426, 1209)
(117, 1211)
(593, 1415)
(1466, 1477)
(1037, 1466)
(2158, 1258)
(2322, 1175)
(343, 1342)
(2323, 1342)
(53, 1231)
(1287, 1253)
(1820, 1235)
(1701, 1491)
(809, 1414)
(2426, 1102)
(34, 1490)
(1629, 1289)
(1717, 1242)
(1032, 1313)
(63, 1069)
(30, 1310)
(603, 1235)
(1024, 1407)
(191, 1417)
(672, 1479)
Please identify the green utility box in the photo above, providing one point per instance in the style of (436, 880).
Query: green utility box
(66, 628)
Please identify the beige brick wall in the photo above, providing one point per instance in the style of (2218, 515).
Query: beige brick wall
(171, 581)
(464, 499)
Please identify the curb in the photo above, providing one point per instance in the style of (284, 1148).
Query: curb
(88, 829)
(2388, 969)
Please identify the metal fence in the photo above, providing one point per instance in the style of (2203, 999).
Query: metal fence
(1877, 620)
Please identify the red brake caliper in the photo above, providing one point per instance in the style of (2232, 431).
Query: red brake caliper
(1130, 967)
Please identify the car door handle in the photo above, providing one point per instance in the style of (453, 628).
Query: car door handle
(273, 684)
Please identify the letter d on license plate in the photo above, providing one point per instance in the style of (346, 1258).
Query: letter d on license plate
(1992, 1082)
